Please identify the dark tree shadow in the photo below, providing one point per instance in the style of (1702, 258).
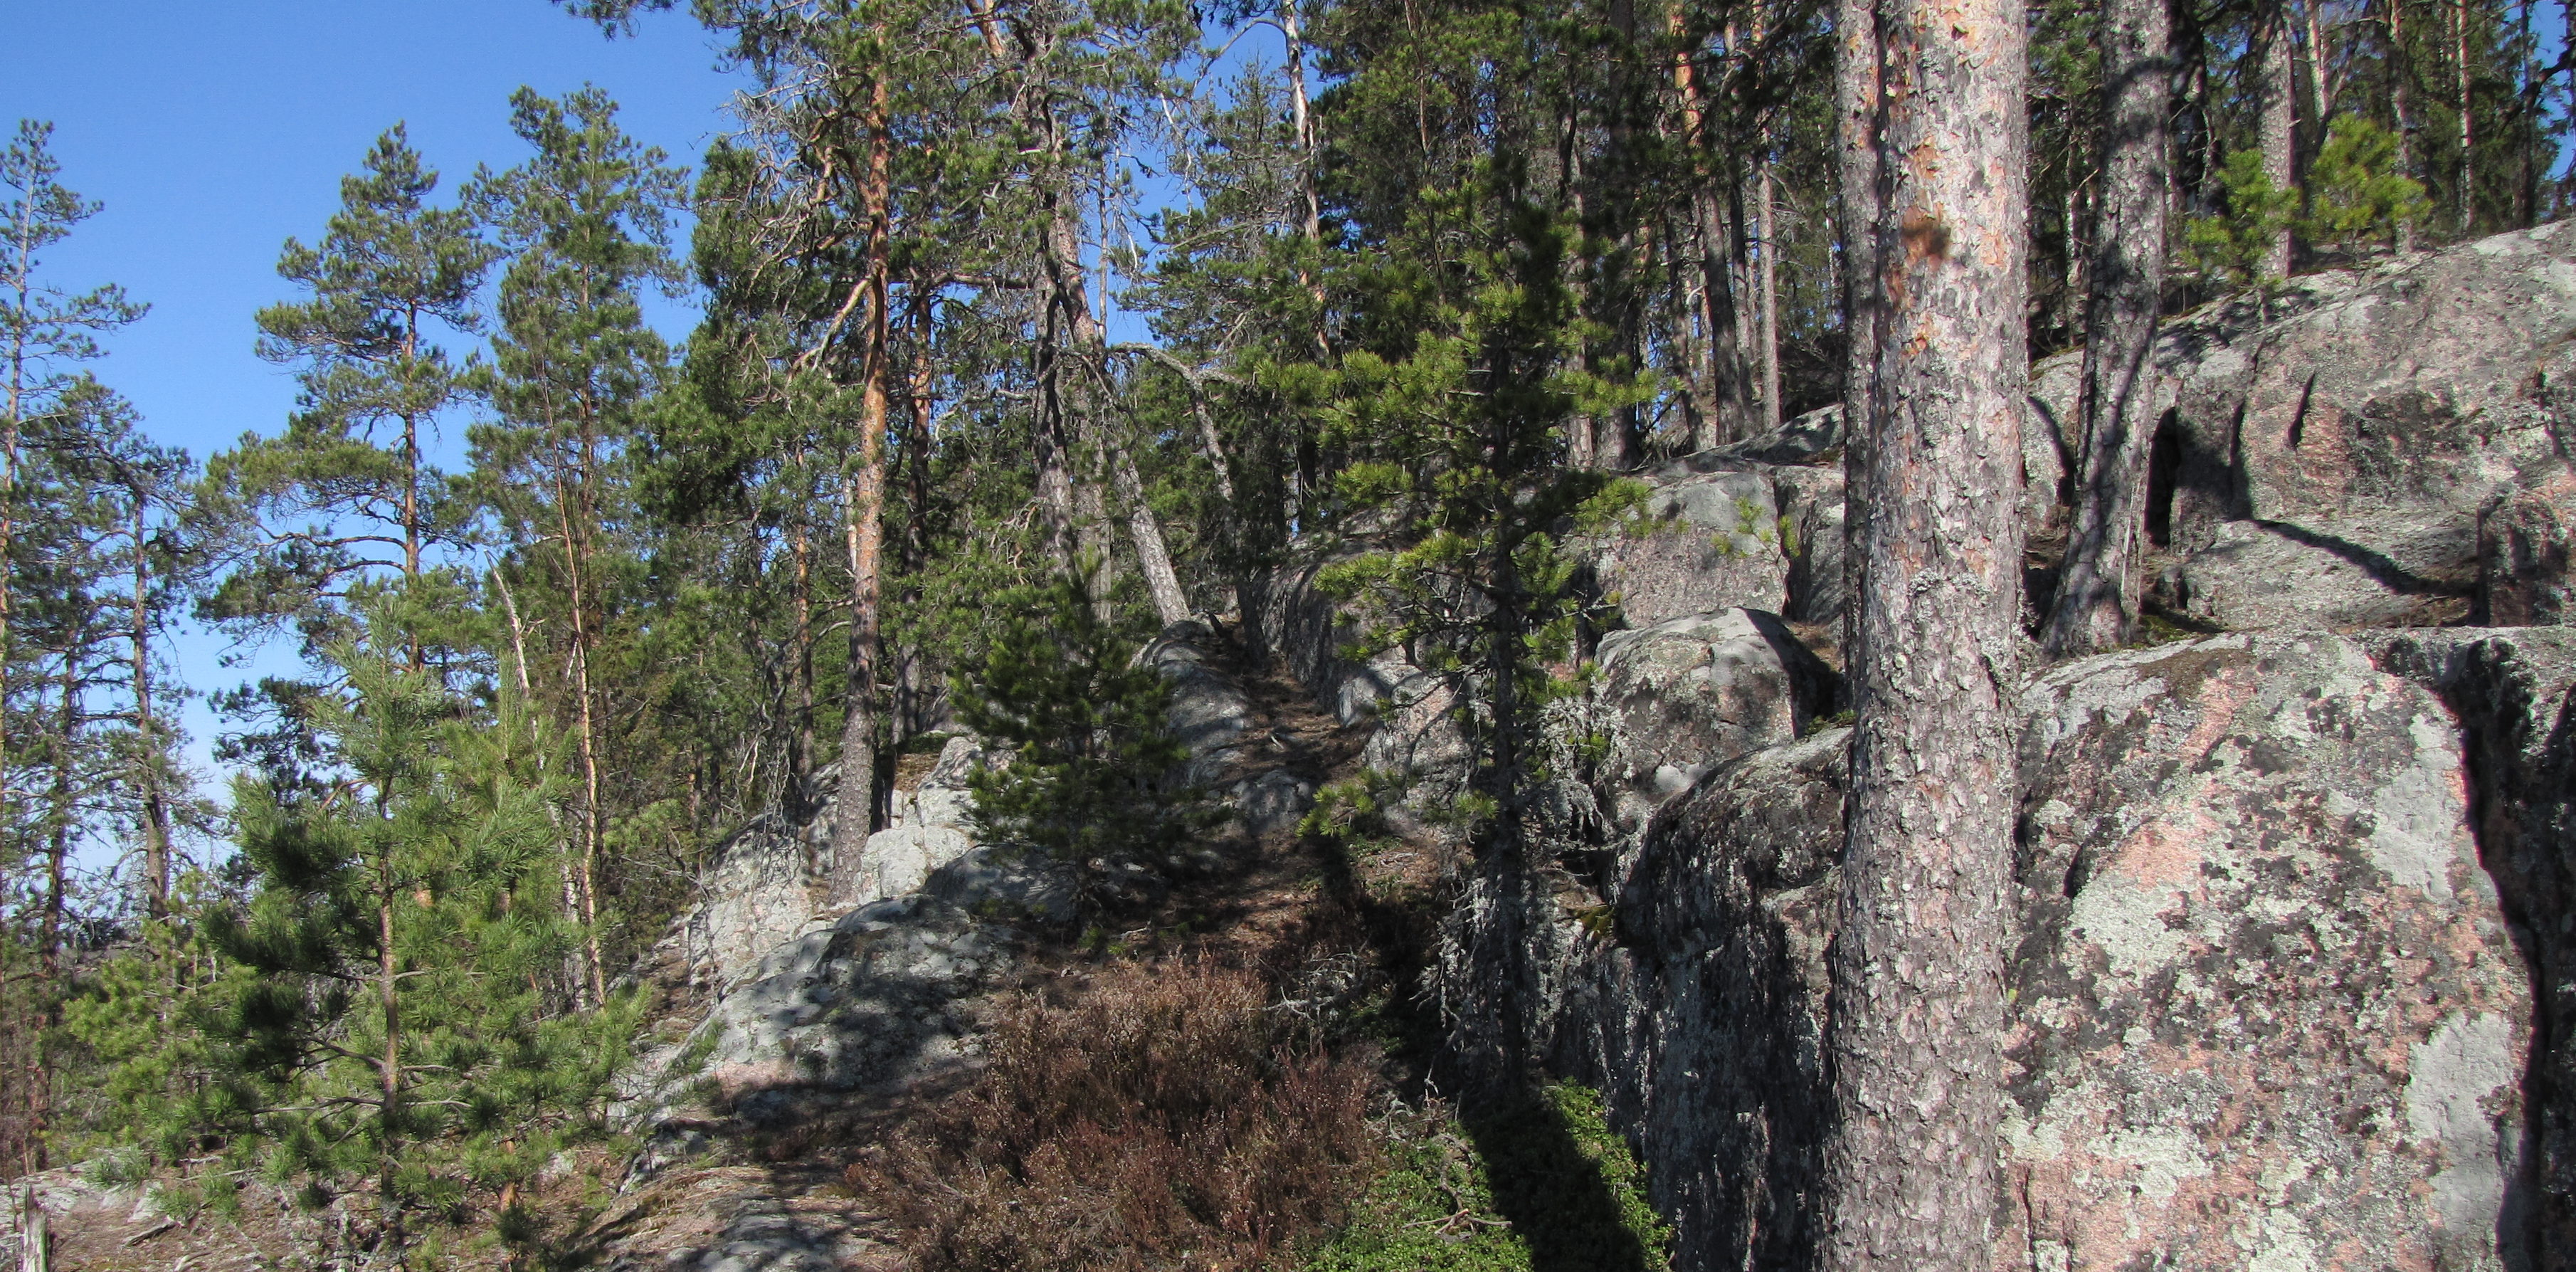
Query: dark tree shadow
(1553, 1193)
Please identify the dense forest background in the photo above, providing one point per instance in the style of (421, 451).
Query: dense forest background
(997, 294)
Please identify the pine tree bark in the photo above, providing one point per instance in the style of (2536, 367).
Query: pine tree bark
(147, 727)
(1729, 410)
(2466, 194)
(2401, 104)
(1856, 171)
(1918, 1004)
(865, 496)
(2277, 88)
(2099, 588)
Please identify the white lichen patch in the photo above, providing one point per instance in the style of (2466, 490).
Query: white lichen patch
(2451, 1079)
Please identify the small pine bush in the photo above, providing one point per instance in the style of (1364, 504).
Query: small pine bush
(1089, 778)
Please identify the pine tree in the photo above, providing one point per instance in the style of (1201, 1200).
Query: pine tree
(350, 465)
(1090, 769)
(391, 1027)
(1918, 1007)
(586, 225)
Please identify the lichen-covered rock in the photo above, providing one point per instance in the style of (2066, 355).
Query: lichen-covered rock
(2268, 1012)
(2513, 691)
(2269, 1008)
(1210, 713)
(2392, 409)
(866, 1000)
(945, 795)
(1703, 1024)
(1811, 538)
(899, 858)
(1682, 697)
(1712, 542)
(2524, 574)
(2275, 576)
(759, 890)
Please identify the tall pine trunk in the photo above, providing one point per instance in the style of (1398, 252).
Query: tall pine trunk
(2277, 117)
(2401, 104)
(594, 819)
(1856, 173)
(148, 787)
(1918, 1004)
(2098, 591)
(866, 500)
(1729, 410)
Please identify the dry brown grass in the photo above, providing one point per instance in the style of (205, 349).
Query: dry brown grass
(1168, 1119)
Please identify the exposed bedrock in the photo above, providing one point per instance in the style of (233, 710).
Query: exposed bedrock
(2269, 1008)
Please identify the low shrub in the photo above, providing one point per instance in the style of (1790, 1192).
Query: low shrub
(1168, 1119)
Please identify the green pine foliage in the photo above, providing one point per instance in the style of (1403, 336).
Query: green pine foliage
(1542, 1183)
(2355, 193)
(344, 497)
(1083, 761)
(2230, 245)
(395, 1026)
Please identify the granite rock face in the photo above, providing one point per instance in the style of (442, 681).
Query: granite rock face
(1685, 696)
(869, 999)
(2417, 419)
(761, 889)
(2269, 1011)
(2278, 576)
(1210, 713)
(2513, 691)
(1713, 542)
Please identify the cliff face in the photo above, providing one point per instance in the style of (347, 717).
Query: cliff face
(2269, 999)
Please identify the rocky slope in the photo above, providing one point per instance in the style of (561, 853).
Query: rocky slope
(2294, 969)
(2295, 986)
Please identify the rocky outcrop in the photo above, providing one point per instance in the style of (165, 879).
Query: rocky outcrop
(2513, 692)
(2413, 420)
(2269, 1011)
(761, 888)
(1682, 697)
(1711, 541)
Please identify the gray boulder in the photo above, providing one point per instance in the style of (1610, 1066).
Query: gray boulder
(759, 890)
(2258, 576)
(2513, 691)
(1712, 541)
(2268, 1008)
(1683, 697)
(867, 1000)
(1210, 714)
(2393, 411)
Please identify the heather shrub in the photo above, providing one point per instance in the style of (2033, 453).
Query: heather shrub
(1169, 1119)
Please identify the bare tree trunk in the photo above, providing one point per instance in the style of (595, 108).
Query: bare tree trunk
(147, 727)
(389, 1065)
(1730, 407)
(2277, 86)
(2467, 193)
(2320, 82)
(2401, 104)
(1171, 604)
(58, 853)
(1918, 1003)
(594, 821)
(2098, 591)
(1768, 221)
(1856, 92)
(865, 497)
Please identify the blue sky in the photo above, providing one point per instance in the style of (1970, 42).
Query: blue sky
(213, 131)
